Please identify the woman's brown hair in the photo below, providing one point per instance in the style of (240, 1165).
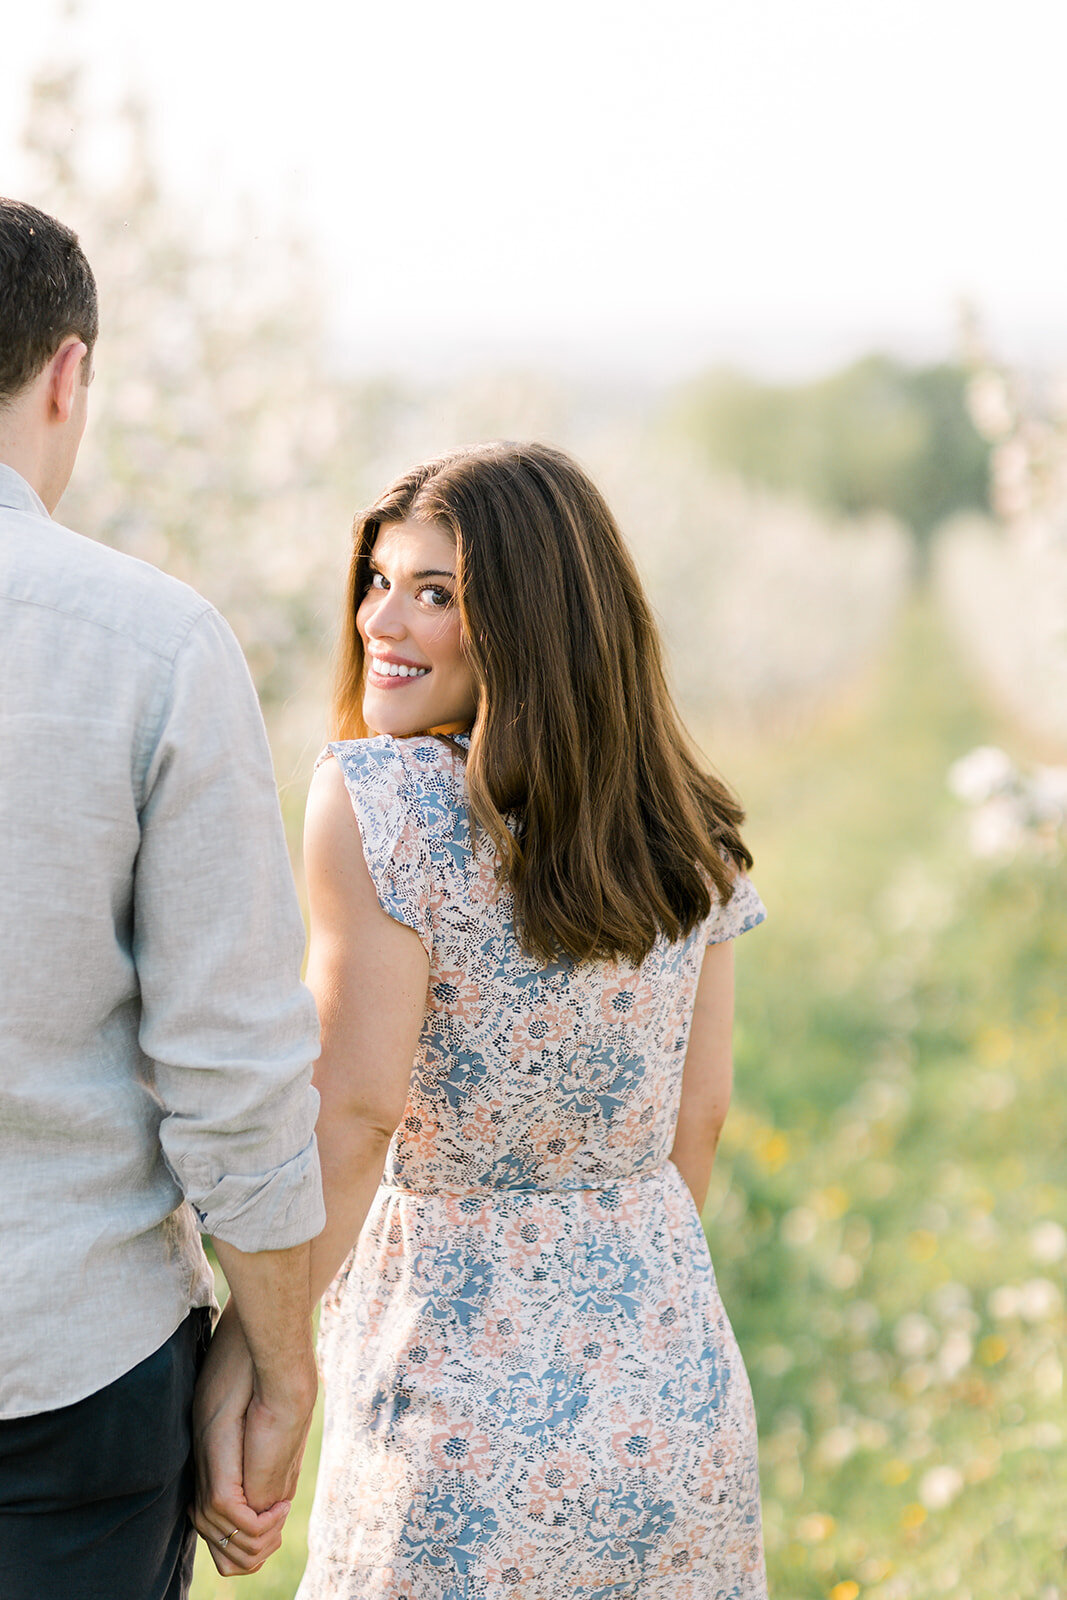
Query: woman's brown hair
(616, 833)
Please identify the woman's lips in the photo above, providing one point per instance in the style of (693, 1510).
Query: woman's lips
(386, 680)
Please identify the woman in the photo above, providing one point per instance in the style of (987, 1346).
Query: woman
(522, 894)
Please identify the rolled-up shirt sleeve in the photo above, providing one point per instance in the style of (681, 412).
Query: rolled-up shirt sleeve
(227, 1027)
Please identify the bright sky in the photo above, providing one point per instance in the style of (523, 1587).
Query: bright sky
(641, 185)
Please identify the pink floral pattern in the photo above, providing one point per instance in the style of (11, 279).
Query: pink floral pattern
(532, 1388)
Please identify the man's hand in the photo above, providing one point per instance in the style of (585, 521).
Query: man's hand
(276, 1430)
(247, 1447)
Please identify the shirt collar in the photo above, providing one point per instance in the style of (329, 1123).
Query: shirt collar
(17, 495)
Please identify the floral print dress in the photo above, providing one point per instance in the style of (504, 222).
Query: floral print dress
(532, 1389)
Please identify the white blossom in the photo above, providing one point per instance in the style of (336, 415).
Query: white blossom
(939, 1487)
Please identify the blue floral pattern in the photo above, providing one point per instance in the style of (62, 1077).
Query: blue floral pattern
(532, 1389)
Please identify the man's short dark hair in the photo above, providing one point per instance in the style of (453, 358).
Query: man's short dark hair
(47, 292)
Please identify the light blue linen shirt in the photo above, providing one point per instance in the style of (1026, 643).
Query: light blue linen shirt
(155, 1038)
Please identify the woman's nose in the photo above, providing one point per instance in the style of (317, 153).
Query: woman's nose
(385, 620)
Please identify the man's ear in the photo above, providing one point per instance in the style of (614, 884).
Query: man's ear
(64, 377)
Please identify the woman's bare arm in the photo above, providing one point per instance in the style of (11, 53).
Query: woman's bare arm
(708, 1075)
(369, 975)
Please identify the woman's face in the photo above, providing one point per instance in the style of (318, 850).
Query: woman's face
(416, 677)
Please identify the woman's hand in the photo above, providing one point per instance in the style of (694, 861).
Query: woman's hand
(225, 1406)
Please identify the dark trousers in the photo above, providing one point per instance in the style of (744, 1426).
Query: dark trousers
(93, 1497)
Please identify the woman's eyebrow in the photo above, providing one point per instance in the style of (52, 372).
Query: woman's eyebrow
(427, 572)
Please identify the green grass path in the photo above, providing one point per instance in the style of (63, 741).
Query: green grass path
(888, 1211)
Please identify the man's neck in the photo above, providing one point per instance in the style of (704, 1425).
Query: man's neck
(17, 452)
(21, 445)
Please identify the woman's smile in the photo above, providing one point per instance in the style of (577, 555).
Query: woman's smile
(393, 669)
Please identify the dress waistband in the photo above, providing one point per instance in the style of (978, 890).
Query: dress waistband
(507, 1191)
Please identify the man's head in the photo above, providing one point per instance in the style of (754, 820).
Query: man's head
(48, 327)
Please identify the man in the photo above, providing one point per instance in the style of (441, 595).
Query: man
(155, 1040)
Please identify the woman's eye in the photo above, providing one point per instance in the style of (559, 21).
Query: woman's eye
(433, 595)
(378, 580)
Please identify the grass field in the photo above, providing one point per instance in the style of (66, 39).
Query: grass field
(889, 1212)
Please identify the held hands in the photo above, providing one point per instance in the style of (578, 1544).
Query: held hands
(248, 1440)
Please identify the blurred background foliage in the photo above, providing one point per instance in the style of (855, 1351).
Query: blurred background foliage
(862, 582)
(879, 435)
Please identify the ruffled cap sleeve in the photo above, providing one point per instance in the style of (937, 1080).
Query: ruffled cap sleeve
(743, 911)
(387, 810)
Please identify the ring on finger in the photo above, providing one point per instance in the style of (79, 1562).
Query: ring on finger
(222, 1543)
